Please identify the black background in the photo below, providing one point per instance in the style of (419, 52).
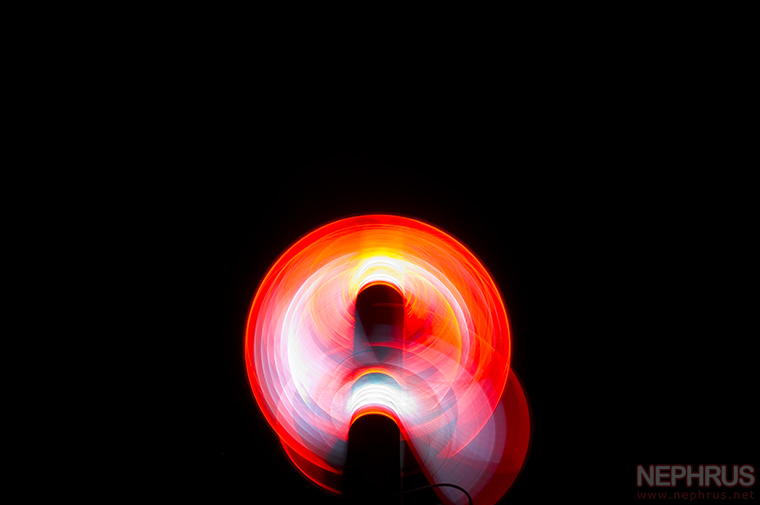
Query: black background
(599, 177)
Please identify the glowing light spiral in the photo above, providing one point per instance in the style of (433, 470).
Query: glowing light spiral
(448, 385)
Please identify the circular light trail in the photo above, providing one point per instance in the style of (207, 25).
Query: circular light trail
(448, 384)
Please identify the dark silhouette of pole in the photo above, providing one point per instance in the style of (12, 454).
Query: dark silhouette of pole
(373, 462)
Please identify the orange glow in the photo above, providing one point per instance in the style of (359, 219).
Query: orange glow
(446, 388)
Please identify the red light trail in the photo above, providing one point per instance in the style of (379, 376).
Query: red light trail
(448, 385)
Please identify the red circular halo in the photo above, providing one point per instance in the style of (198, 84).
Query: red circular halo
(449, 387)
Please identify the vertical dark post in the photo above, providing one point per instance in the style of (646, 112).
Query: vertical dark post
(373, 462)
(379, 323)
